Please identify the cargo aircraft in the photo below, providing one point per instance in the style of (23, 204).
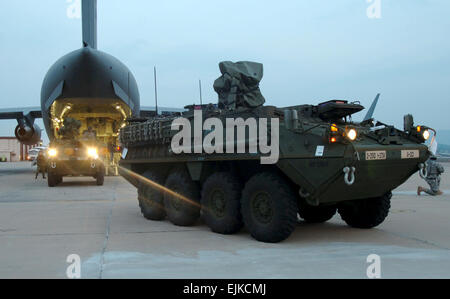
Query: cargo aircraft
(88, 85)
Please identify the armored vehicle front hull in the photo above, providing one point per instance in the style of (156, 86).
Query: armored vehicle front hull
(325, 178)
(75, 167)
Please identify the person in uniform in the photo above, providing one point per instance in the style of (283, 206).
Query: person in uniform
(90, 134)
(41, 165)
(434, 171)
(111, 150)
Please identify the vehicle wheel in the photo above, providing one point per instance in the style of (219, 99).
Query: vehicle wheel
(150, 198)
(100, 177)
(52, 179)
(269, 207)
(181, 202)
(221, 194)
(313, 214)
(366, 213)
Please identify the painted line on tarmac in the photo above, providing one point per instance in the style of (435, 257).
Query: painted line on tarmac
(414, 192)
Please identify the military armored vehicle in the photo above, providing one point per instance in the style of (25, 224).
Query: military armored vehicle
(326, 163)
(72, 155)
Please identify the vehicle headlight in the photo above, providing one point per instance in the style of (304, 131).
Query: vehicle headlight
(426, 134)
(52, 152)
(92, 152)
(352, 134)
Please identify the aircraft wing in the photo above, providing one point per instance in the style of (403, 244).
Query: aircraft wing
(21, 113)
(26, 131)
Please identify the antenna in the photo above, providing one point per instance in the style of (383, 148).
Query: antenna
(372, 108)
(156, 91)
(200, 87)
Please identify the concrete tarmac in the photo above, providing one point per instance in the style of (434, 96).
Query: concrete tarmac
(41, 226)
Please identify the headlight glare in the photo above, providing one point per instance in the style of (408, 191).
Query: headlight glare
(92, 152)
(352, 134)
(52, 152)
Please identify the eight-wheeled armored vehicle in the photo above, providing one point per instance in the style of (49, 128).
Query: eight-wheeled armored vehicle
(307, 161)
(72, 155)
(74, 158)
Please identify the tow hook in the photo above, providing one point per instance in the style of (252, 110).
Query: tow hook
(53, 165)
(423, 170)
(92, 165)
(349, 177)
(303, 193)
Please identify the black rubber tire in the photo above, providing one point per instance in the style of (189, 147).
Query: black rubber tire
(182, 211)
(52, 179)
(221, 210)
(319, 214)
(151, 200)
(268, 192)
(366, 213)
(100, 176)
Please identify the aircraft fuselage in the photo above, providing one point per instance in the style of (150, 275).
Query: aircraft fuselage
(91, 86)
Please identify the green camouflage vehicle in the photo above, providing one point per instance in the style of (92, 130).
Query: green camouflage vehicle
(326, 162)
(71, 155)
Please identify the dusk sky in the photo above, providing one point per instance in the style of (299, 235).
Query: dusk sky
(312, 51)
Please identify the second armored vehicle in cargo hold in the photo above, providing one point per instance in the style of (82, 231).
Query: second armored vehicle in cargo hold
(326, 162)
(72, 155)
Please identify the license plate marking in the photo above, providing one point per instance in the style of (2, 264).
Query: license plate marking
(319, 150)
(375, 155)
(124, 153)
(410, 154)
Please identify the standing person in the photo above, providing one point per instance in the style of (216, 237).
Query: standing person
(41, 165)
(111, 149)
(434, 171)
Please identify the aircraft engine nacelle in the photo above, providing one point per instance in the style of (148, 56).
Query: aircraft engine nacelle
(28, 135)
